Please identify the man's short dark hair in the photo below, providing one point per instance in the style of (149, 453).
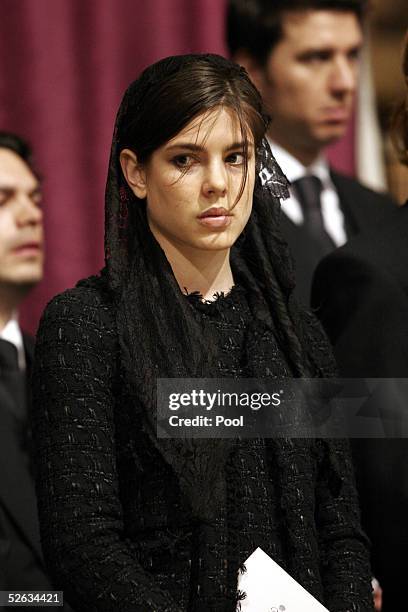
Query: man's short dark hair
(256, 25)
(18, 145)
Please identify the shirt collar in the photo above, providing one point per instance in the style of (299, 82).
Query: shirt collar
(12, 333)
(295, 170)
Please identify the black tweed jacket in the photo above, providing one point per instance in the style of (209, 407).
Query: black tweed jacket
(120, 528)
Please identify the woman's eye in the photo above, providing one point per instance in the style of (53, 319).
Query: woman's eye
(182, 161)
(236, 159)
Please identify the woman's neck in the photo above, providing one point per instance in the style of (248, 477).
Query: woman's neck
(207, 272)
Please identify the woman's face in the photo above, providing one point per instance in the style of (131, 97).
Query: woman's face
(192, 183)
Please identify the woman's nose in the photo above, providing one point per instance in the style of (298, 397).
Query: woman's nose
(215, 180)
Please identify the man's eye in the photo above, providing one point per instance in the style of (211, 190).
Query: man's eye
(36, 198)
(354, 54)
(182, 161)
(4, 196)
(316, 57)
(236, 159)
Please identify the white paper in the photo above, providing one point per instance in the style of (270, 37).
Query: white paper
(270, 589)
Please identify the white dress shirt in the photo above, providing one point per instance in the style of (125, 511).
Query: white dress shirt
(333, 218)
(12, 333)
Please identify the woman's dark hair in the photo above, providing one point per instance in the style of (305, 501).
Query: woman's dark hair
(171, 93)
(399, 121)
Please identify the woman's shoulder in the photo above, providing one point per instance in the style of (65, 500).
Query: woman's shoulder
(88, 293)
(76, 351)
(86, 308)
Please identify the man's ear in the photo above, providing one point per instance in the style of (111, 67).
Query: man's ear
(251, 65)
(134, 173)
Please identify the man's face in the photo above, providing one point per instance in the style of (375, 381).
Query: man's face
(21, 229)
(309, 80)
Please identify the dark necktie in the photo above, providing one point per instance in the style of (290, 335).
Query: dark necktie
(308, 190)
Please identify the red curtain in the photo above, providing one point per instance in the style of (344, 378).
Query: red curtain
(64, 65)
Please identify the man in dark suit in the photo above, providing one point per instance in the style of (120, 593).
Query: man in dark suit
(360, 293)
(303, 57)
(21, 268)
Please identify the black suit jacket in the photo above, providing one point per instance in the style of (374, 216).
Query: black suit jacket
(361, 295)
(362, 209)
(361, 292)
(21, 556)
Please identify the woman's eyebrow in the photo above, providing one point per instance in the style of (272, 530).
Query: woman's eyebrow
(240, 144)
(185, 145)
(190, 146)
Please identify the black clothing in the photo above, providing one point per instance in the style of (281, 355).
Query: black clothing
(24, 568)
(134, 525)
(231, 317)
(362, 209)
(20, 550)
(361, 295)
(139, 523)
(360, 291)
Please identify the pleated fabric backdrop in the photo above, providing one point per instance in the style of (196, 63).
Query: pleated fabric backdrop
(64, 65)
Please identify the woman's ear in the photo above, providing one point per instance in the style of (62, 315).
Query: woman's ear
(134, 173)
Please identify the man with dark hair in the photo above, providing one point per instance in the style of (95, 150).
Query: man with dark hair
(303, 56)
(21, 268)
(360, 293)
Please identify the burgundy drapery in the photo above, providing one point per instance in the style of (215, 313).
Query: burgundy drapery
(64, 65)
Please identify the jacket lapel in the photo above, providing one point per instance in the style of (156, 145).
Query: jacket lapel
(354, 211)
(362, 208)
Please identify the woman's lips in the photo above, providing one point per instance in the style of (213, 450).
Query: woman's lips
(215, 218)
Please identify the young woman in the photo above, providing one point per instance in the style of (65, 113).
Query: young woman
(135, 523)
